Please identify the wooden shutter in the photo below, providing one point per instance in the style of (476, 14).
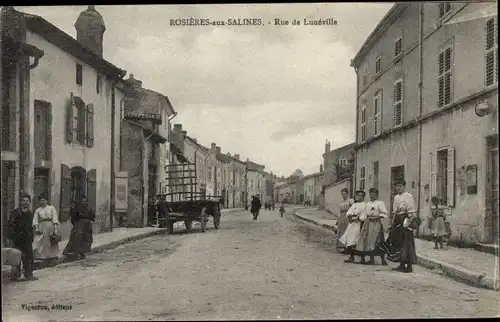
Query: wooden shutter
(48, 124)
(432, 172)
(69, 120)
(447, 78)
(450, 193)
(90, 125)
(81, 123)
(441, 79)
(92, 188)
(65, 197)
(398, 102)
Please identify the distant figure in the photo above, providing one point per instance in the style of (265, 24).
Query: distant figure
(273, 205)
(282, 209)
(256, 205)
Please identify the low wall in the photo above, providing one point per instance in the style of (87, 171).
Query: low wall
(333, 195)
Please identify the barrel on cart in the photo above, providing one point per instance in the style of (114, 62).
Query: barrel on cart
(186, 201)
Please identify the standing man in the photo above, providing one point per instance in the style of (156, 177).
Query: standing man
(20, 233)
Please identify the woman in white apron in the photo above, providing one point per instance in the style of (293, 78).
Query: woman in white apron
(46, 226)
(356, 215)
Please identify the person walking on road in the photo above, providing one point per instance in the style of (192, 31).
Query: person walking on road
(256, 205)
(372, 232)
(356, 215)
(437, 223)
(342, 221)
(20, 235)
(400, 245)
(282, 209)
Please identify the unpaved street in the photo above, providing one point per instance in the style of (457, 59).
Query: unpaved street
(273, 268)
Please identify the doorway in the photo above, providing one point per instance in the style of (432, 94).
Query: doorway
(42, 184)
(492, 189)
(397, 173)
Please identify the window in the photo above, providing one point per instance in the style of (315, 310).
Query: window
(444, 8)
(377, 65)
(362, 178)
(377, 106)
(98, 84)
(364, 78)
(398, 47)
(442, 179)
(491, 52)
(363, 123)
(209, 172)
(79, 75)
(375, 174)
(398, 102)
(444, 77)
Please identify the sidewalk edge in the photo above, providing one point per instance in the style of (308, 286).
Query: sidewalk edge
(457, 273)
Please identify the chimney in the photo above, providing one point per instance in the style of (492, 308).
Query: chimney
(177, 128)
(135, 83)
(237, 156)
(228, 154)
(320, 168)
(90, 28)
(218, 150)
(184, 134)
(327, 147)
(195, 140)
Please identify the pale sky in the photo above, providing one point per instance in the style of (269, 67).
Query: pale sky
(271, 93)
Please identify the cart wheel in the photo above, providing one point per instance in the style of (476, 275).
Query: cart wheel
(203, 219)
(170, 226)
(188, 224)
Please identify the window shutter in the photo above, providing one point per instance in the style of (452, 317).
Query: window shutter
(441, 9)
(450, 194)
(432, 172)
(69, 120)
(65, 197)
(48, 142)
(90, 125)
(92, 188)
(81, 123)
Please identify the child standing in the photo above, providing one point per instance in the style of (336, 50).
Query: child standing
(437, 225)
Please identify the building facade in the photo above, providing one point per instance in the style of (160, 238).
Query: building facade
(255, 181)
(64, 108)
(417, 97)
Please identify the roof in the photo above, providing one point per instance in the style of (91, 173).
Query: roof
(252, 166)
(379, 30)
(143, 116)
(164, 97)
(196, 143)
(224, 158)
(312, 175)
(69, 44)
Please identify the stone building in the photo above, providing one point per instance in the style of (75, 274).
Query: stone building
(237, 199)
(214, 174)
(197, 155)
(416, 111)
(63, 109)
(146, 114)
(255, 181)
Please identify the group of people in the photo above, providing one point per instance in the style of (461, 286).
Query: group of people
(361, 231)
(37, 235)
(256, 205)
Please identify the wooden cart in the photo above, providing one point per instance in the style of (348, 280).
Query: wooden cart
(185, 200)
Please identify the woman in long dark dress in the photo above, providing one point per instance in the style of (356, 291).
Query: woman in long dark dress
(400, 245)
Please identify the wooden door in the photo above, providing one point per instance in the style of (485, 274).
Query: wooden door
(492, 189)
(397, 173)
(42, 185)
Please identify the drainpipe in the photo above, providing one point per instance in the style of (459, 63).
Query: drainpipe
(112, 191)
(420, 78)
(120, 144)
(144, 185)
(354, 173)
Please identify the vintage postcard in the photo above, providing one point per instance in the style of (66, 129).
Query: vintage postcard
(263, 161)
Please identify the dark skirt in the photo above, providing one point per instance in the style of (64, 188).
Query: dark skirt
(408, 253)
(393, 246)
(80, 240)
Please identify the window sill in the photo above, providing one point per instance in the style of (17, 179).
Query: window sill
(398, 126)
(377, 76)
(397, 58)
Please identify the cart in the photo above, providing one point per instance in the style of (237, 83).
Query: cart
(185, 202)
